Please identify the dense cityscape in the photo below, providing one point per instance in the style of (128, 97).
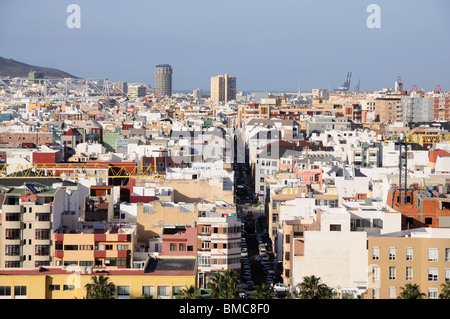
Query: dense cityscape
(222, 194)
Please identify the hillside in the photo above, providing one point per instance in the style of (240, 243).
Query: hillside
(12, 68)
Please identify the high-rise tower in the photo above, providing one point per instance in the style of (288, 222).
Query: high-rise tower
(163, 79)
(223, 88)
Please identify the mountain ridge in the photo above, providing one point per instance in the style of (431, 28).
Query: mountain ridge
(13, 68)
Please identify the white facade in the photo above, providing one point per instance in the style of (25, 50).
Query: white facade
(339, 258)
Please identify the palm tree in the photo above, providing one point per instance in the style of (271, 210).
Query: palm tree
(188, 293)
(100, 288)
(311, 288)
(215, 284)
(224, 285)
(231, 281)
(263, 292)
(445, 292)
(410, 291)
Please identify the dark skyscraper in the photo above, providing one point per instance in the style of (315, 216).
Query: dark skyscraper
(163, 79)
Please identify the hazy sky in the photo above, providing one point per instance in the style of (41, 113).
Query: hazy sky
(267, 45)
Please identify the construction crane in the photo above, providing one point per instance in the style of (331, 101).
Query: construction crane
(402, 140)
(77, 171)
(346, 86)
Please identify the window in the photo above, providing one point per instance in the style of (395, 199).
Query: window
(432, 254)
(163, 292)
(409, 273)
(205, 230)
(432, 274)
(12, 217)
(375, 293)
(42, 234)
(190, 248)
(377, 223)
(182, 247)
(88, 247)
(12, 234)
(123, 292)
(428, 220)
(116, 262)
(204, 261)
(392, 253)
(409, 253)
(175, 291)
(205, 245)
(392, 272)
(42, 217)
(335, 227)
(432, 293)
(392, 293)
(447, 254)
(86, 263)
(12, 264)
(42, 250)
(12, 250)
(5, 292)
(20, 292)
(447, 274)
(122, 247)
(376, 253)
(68, 287)
(375, 273)
(54, 288)
(173, 247)
(148, 291)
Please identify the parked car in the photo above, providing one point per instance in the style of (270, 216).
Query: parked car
(247, 276)
(280, 287)
(250, 284)
(243, 294)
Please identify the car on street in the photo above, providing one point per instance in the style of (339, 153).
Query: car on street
(280, 287)
(247, 276)
(243, 294)
(250, 284)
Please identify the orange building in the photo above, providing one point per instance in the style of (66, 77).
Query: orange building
(428, 208)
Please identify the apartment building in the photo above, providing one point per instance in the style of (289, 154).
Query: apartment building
(366, 155)
(388, 110)
(25, 140)
(441, 108)
(327, 248)
(223, 88)
(162, 278)
(179, 240)
(423, 208)
(99, 204)
(30, 215)
(219, 242)
(418, 256)
(97, 247)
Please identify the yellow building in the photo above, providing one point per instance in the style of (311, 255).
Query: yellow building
(418, 256)
(161, 278)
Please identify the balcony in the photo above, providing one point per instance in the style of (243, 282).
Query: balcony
(12, 225)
